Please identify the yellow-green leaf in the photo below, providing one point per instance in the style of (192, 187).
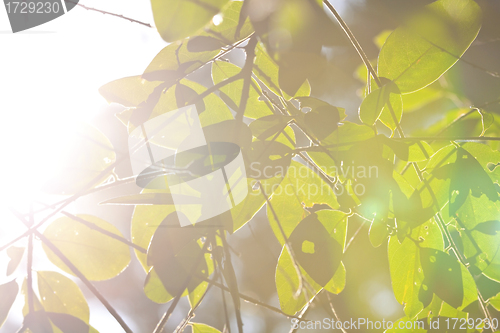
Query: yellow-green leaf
(96, 255)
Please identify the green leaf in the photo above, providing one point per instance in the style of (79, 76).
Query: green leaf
(231, 92)
(96, 255)
(301, 187)
(478, 237)
(215, 109)
(372, 106)
(418, 53)
(416, 100)
(378, 232)
(16, 255)
(378, 104)
(128, 91)
(87, 162)
(442, 276)
(323, 118)
(9, 292)
(268, 127)
(268, 159)
(419, 151)
(287, 280)
(61, 295)
(69, 324)
(405, 266)
(245, 210)
(202, 328)
(267, 71)
(317, 252)
(234, 26)
(466, 175)
(495, 302)
(204, 43)
(294, 70)
(178, 19)
(172, 63)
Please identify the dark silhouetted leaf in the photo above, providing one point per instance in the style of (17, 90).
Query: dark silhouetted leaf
(488, 227)
(15, 254)
(204, 43)
(443, 277)
(8, 292)
(315, 250)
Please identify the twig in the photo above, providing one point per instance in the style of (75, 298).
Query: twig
(287, 245)
(365, 60)
(103, 231)
(246, 72)
(77, 272)
(31, 304)
(333, 310)
(109, 13)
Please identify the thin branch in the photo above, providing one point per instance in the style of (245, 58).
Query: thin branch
(77, 272)
(333, 310)
(246, 72)
(365, 60)
(248, 298)
(103, 231)
(111, 14)
(287, 245)
(31, 304)
(231, 281)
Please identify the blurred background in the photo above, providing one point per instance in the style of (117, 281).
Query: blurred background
(49, 77)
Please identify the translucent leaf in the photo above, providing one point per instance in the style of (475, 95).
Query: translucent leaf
(204, 43)
(128, 91)
(254, 201)
(420, 98)
(300, 187)
(268, 159)
(9, 292)
(231, 93)
(495, 302)
(96, 255)
(418, 53)
(172, 63)
(202, 328)
(87, 162)
(268, 126)
(61, 295)
(372, 106)
(178, 19)
(419, 151)
(405, 267)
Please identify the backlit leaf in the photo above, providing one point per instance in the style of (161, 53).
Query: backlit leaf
(96, 255)
(419, 52)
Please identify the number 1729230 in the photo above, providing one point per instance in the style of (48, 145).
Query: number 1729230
(38, 7)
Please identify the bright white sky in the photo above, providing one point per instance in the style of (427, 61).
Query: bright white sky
(49, 77)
